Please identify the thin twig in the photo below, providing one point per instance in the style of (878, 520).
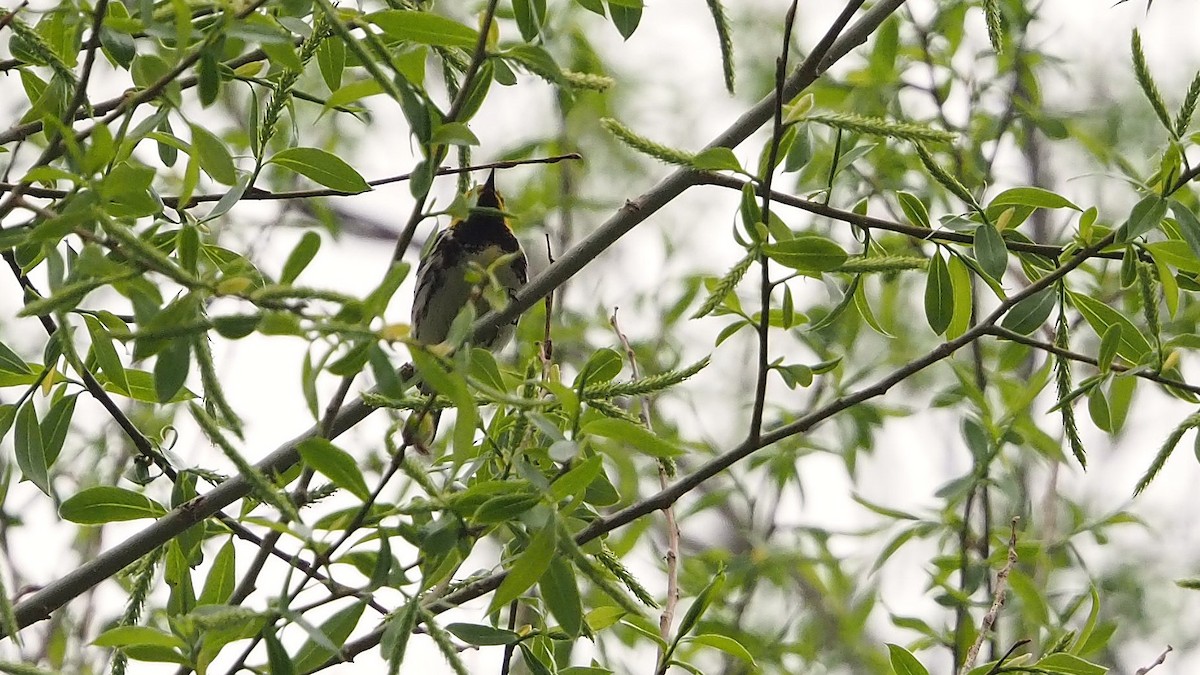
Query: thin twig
(257, 194)
(989, 619)
(764, 320)
(456, 106)
(1157, 662)
(871, 222)
(1049, 348)
(665, 472)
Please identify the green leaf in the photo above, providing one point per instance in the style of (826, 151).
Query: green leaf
(353, 91)
(278, 661)
(632, 434)
(914, 209)
(214, 156)
(700, 606)
(219, 584)
(171, 369)
(454, 387)
(529, 566)
(528, 22)
(1133, 346)
(55, 427)
(903, 662)
(127, 636)
(1120, 397)
(537, 61)
(1189, 226)
(991, 251)
(11, 363)
(960, 282)
(125, 191)
(502, 508)
(108, 504)
(1031, 313)
(807, 253)
(1098, 409)
(1069, 664)
(331, 60)
(1108, 347)
(939, 295)
(31, 454)
(560, 592)
(1033, 196)
(454, 133)
(482, 636)
(602, 366)
(577, 479)
(1145, 216)
(725, 644)
(335, 631)
(322, 167)
(335, 464)
(717, 159)
(306, 249)
(424, 28)
(625, 18)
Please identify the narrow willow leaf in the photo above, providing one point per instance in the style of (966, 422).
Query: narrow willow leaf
(335, 464)
(481, 635)
(903, 662)
(1031, 313)
(219, 583)
(807, 253)
(107, 504)
(1145, 216)
(560, 591)
(11, 363)
(1033, 196)
(939, 295)
(1097, 404)
(863, 306)
(529, 566)
(304, 252)
(1133, 346)
(334, 631)
(30, 451)
(322, 167)
(424, 28)
(703, 601)
(960, 282)
(634, 435)
(914, 209)
(991, 251)
(1108, 347)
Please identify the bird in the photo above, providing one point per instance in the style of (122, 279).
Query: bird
(483, 239)
(446, 283)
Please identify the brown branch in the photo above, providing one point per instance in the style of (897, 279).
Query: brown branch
(989, 619)
(1005, 334)
(870, 222)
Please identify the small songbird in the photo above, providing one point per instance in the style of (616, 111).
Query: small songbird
(444, 286)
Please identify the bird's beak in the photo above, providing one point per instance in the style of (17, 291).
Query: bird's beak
(488, 195)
